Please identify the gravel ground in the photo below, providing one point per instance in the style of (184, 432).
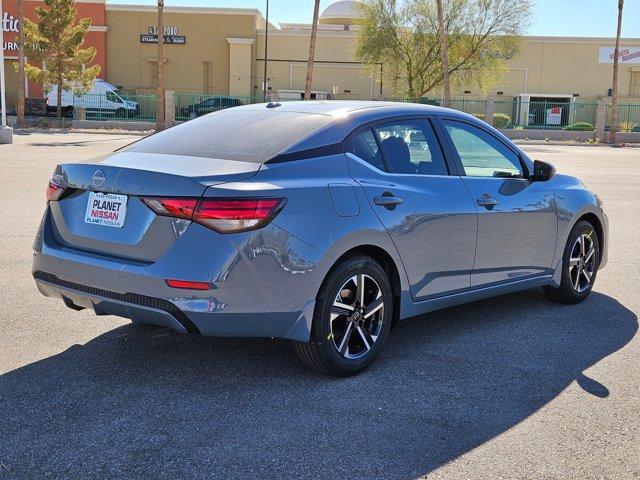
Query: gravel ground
(512, 387)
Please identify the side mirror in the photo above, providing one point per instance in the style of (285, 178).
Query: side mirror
(542, 171)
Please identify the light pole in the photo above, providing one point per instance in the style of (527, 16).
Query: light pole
(266, 52)
(6, 133)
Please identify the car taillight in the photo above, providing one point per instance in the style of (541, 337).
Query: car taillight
(237, 215)
(224, 215)
(172, 207)
(54, 191)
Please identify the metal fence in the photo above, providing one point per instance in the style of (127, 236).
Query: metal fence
(570, 114)
(628, 117)
(188, 105)
(109, 106)
(517, 114)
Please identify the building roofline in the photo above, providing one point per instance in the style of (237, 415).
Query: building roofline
(180, 9)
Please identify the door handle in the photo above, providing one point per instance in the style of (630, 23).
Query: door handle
(487, 201)
(388, 200)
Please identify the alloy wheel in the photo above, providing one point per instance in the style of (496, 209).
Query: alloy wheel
(356, 317)
(582, 263)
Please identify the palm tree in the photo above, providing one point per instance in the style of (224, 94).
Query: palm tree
(160, 70)
(614, 90)
(312, 51)
(21, 62)
(444, 57)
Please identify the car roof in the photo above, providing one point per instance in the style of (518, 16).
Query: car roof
(347, 115)
(342, 108)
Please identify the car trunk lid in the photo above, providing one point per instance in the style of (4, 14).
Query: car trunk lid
(116, 183)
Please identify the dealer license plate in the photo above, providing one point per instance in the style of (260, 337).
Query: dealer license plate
(106, 209)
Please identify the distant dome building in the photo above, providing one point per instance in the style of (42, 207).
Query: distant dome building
(341, 12)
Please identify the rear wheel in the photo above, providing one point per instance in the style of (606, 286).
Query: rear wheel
(579, 265)
(351, 321)
(68, 112)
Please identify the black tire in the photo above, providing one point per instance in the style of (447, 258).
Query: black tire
(321, 352)
(68, 112)
(121, 113)
(567, 291)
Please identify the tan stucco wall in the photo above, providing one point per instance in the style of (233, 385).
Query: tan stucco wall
(551, 65)
(334, 68)
(206, 40)
(565, 66)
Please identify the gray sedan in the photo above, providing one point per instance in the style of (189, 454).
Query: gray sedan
(320, 222)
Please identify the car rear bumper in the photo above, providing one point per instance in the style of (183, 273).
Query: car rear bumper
(264, 283)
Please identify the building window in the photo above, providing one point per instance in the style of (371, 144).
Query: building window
(207, 74)
(635, 84)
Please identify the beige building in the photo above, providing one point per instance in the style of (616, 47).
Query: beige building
(220, 51)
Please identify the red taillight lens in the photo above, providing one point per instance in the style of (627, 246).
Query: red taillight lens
(172, 207)
(237, 215)
(185, 284)
(228, 215)
(54, 191)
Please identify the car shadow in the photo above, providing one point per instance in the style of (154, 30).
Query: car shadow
(146, 402)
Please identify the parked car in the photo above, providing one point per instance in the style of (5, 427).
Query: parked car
(320, 222)
(103, 99)
(209, 105)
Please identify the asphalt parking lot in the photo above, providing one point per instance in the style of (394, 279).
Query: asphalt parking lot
(512, 387)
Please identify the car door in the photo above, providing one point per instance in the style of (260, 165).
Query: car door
(428, 212)
(517, 221)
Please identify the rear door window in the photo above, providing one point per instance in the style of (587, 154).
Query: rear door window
(411, 147)
(365, 147)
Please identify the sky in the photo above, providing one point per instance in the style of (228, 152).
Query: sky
(573, 18)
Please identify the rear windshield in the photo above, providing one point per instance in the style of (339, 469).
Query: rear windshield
(245, 135)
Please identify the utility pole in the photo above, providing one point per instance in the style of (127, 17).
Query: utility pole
(6, 133)
(266, 53)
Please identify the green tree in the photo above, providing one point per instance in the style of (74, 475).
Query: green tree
(481, 35)
(55, 42)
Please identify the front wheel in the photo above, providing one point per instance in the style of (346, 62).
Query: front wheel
(579, 265)
(351, 320)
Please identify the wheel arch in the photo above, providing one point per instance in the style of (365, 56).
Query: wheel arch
(593, 219)
(387, 262)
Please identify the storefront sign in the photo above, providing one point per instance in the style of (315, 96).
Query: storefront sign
(9, 24)
(171, 36)
(626, 55)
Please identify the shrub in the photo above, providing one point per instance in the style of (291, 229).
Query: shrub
(580, 127)
(501, 120)
(480, 116)
(627, 127)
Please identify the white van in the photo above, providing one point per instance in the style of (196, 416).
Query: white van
(103, 98)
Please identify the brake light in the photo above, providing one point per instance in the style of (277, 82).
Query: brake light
(54, 191)
(224, 215)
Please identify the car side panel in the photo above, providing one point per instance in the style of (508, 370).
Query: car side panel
(311, 215)
(573, 201)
